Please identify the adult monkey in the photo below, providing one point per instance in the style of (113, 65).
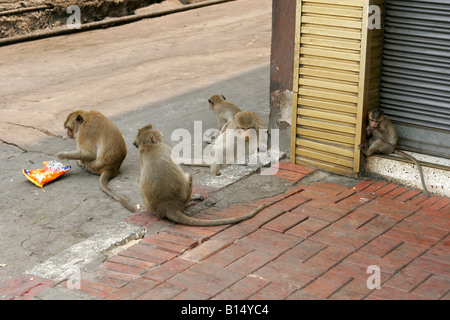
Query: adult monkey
(165, 188)
(382, 138)
(101, 148)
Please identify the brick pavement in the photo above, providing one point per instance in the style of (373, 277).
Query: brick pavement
(312, 242)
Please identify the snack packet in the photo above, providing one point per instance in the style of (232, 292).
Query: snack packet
(52, 170)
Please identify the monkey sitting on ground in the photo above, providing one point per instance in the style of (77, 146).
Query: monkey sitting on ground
(165, 188)
(383, 139)
(244, 131)
(224, 112)
(100, 149)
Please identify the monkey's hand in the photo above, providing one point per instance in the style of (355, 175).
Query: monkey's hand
(369, 131)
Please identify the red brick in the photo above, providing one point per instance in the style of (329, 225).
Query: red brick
(159, 255)
(144, 219)
(262, 217)
(390, 208)
(366, 260)
(327, 284)
(357, 218)
(291, 202)
(117, 276)
(205, 250)
(407, 195)
(374, 187)
(308, 227)
(242, 289)
(96, 289)
(227, 256)
(269, 241)
(285, 221)
(385, 189)
(354, 290)
(131, 262)
(123, 268)
(432, 266)
(300, 295)
(405, 253)
(388, 293)
(362, 185)
(163, 291)
(277, 271)
(411, 237)
(430, 201)
(203, 190)
(189, 294)
(357, 271)
(381, 246)
(408, 279)
(197, 233)
(441, 204)
(354, 201)
(168, 269)
(422, 229)
(176, 239)
(23, 287)
(432, 218)
(208, 280)
(133, 289)
(111, 282)
(164, 245)
(289, 175)
(379, 224)
(250, 262)
(395, 193)
(274, 291)
(434, 287)
(235, 232)
(344, 236)
(293, 167)
(322, 210)
(329, 186)
(301, 252)
(417, 200)
(329, 256)
(440, 252)
(141, 252)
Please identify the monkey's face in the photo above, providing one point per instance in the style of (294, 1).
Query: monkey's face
(375, 123)
(147, 135)
(246, 125)
(72, 124)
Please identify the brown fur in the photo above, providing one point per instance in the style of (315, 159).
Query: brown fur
(223, 110)
(383, 139)
(165, 188)
(100, 149)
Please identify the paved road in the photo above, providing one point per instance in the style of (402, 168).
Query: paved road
(159, 71)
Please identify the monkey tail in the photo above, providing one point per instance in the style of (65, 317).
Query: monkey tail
(104, 178)
(407, 156)
(181, 218)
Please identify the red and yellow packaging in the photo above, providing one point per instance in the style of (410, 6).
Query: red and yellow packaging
(52, 170)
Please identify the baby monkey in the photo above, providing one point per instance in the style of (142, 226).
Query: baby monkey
(165, 188)
(382, 138)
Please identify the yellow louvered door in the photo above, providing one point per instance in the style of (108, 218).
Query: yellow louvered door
(330, 86)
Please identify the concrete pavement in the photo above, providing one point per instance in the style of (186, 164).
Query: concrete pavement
(317, 240)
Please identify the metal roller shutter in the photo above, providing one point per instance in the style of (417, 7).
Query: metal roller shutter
(415, 83)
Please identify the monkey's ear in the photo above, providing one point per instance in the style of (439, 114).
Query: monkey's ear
(209, 100)
(79, 119)
(224, 97)
(153, 140)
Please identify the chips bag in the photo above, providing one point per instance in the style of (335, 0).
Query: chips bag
(52, 170)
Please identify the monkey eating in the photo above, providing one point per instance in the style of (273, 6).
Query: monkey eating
(224, 111)
(165, 188)
(101, 148)
(382, 138)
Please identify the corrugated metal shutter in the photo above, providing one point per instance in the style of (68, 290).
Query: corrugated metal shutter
(329, 84)
(415, 84)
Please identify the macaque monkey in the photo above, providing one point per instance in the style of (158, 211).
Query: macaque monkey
(165, 188)
(100, 149)
(224, 112)
(383, 139)
(243, 130)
